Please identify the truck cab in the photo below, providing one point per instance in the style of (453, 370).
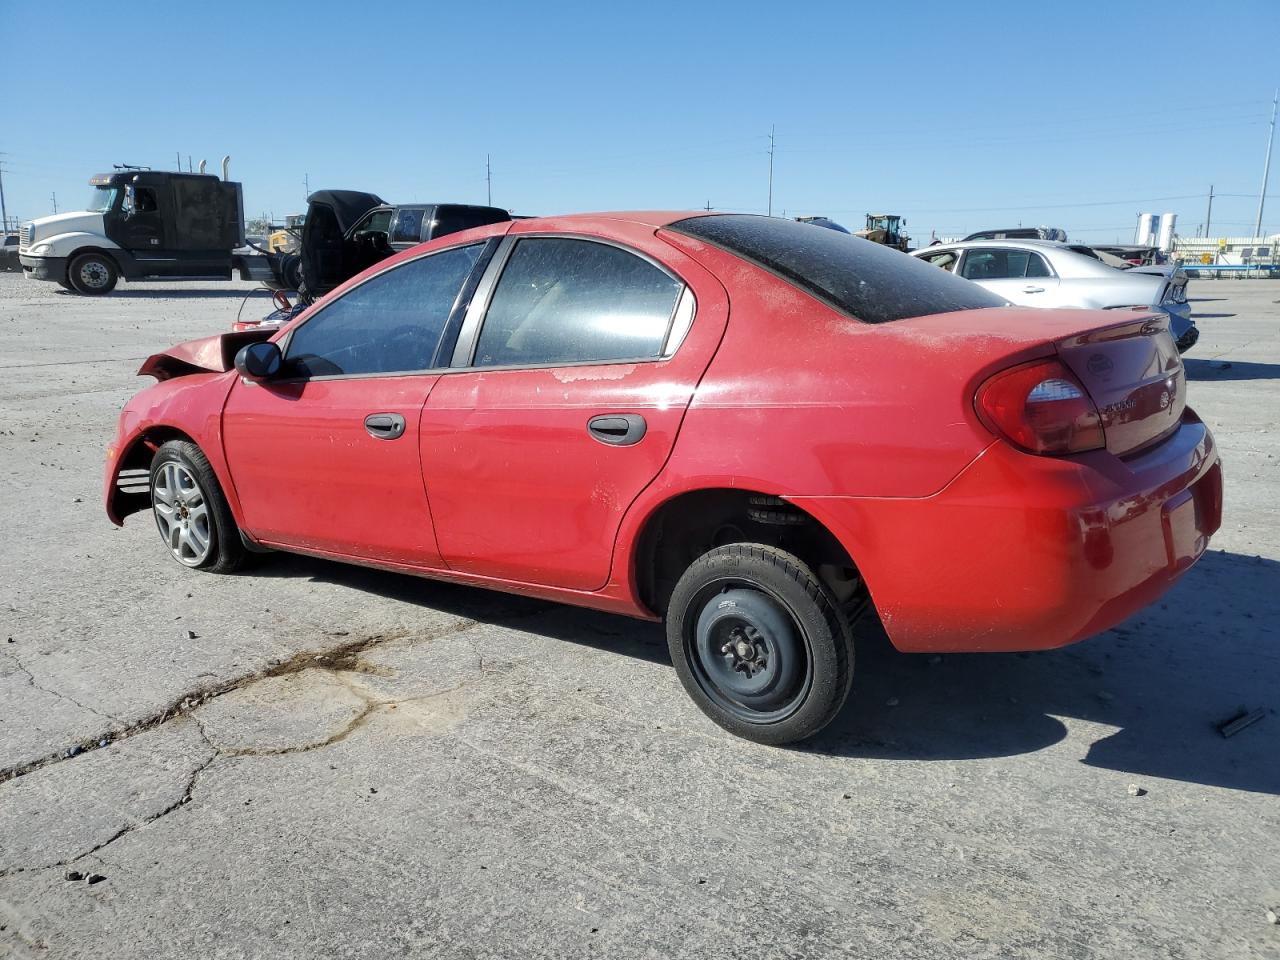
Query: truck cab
(141, 225)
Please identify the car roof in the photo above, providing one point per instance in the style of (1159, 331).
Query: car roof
(1012, 242)
(650, 218)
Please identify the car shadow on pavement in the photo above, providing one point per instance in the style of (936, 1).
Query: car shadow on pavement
(1211, 316)
(1198, 369)
(1157, 687)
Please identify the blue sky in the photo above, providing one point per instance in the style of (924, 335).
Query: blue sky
(958, 116)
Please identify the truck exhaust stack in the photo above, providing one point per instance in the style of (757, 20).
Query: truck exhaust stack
(202, 163)
(226, 167)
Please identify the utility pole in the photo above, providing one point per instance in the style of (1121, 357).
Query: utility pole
(189, 167)
(708, 206)
(1266, 165)
(4, 214)
(179, 153)
(54, 197)
(306, 185)
(771, 143)
(1208, 217)
(488, 179)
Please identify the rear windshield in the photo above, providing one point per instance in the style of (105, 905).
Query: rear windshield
(865, 280)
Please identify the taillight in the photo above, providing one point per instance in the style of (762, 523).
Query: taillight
(1042, 408)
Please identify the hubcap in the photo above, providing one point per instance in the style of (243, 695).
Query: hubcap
(749, 653)
(182, 514)
(94, 274)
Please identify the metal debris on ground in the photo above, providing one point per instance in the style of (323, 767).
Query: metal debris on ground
(1230, 728)
(1136, 791)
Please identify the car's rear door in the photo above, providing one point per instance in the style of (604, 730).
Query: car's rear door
(1020, 276)
(572, 375)
(325, 458)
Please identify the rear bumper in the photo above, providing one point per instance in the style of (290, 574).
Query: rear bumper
(1022, 552)
(44, 268)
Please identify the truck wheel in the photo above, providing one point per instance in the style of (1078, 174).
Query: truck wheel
(93, 274)
(191, 513)
(291, 271)
(66, 285)
(759, 643)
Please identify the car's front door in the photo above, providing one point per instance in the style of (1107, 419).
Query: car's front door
(325, 457)
(572, 378)
(1020, 276)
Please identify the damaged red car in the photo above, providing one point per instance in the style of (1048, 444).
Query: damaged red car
(754, 429)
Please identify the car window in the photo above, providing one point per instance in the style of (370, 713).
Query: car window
(1036, 267)
(946, 259)
(985, 265)
(376, 220)
(865, 280)
(408, 225)
(451, 219)
(575, 301)
(389, 324)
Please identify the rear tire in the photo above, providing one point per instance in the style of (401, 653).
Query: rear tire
(191, 512)
(93, 274)
(759, 643)
(65, 285)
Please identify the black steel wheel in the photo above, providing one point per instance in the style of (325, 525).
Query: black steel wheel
(759, 643)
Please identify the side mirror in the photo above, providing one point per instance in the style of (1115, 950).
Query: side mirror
(259, 361)
(129, 205)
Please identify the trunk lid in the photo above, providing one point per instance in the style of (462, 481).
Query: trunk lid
(1134, 375)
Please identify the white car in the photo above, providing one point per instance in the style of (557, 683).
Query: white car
(1046, 273)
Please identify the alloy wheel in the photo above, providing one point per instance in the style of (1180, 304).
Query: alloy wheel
(182, 514)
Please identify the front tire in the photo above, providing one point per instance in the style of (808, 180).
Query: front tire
(191, 512)
(93, 274)
(759, 643)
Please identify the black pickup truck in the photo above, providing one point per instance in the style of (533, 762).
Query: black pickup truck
(347, 231)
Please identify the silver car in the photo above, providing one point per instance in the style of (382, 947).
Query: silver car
(1045, 273)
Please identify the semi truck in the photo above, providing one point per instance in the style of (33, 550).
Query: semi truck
(145, 224)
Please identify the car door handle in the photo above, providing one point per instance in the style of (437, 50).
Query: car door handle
(1030, 289)
(618, 429)
(384, 426)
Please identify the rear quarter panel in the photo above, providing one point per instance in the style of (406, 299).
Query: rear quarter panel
(801, 400)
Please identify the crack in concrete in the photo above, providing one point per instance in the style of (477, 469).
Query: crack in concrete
(31, 679)
(343, 658)
(338, 658)
(183, 799)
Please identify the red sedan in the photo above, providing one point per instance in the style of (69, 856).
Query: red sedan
(753, 428)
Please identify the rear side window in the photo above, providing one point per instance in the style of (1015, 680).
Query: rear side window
(407, 226)
(865, 280)
(1003, 265)
(455, 219)
(389, 324)
(564, 301)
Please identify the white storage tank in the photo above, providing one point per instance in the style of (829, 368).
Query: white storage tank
(1146, 230)
(1164, 237)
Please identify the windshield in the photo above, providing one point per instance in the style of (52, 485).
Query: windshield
(101, 199)
(865, 280)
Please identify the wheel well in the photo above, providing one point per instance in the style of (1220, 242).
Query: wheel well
(132, 489)
(687, 526)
